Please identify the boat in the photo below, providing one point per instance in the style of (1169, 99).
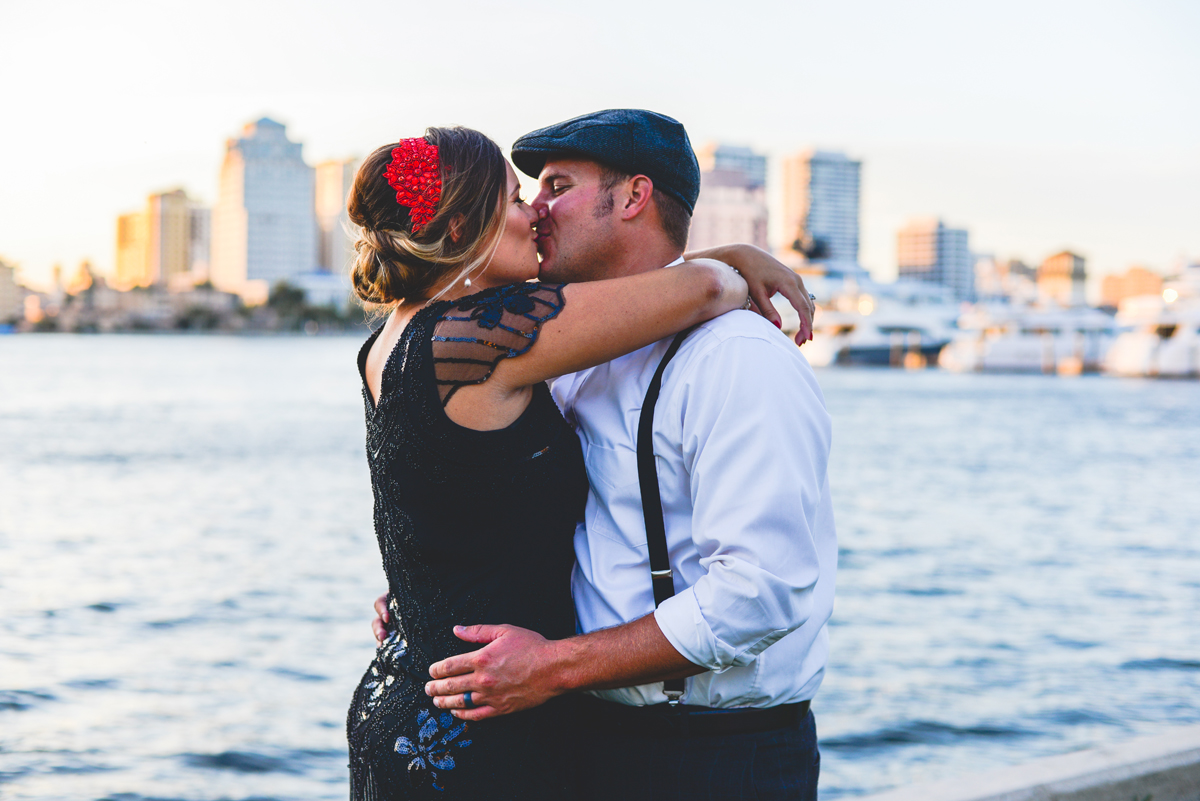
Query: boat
(1030, 339)
(870, 331)
(1161, 337)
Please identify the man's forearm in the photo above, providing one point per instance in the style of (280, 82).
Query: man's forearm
(624, 656)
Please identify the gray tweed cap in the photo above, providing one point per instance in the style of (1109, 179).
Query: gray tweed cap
(631, 140)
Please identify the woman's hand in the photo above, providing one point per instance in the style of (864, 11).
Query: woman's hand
(379, 626)
(765, 276)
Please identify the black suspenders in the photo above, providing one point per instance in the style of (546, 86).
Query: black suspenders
(661, 577)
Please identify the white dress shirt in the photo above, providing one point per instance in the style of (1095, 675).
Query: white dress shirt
(741, 440)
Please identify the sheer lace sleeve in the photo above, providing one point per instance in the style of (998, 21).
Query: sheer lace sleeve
(473, 335)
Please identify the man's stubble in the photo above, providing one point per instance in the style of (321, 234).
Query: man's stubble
(589, 255)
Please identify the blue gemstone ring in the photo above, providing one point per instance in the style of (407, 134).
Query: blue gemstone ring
(467, 702)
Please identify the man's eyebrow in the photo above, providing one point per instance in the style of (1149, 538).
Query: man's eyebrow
(554, 176)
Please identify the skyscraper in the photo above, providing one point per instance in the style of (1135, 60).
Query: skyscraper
(732, 206)
(264, 224)
(132, 251)
(926, 250)
(820, 206)
(200, 245)
(168, 232)
(156, 246)
(10, 295)
(334, 180)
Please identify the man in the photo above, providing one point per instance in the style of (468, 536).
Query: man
(741, 443)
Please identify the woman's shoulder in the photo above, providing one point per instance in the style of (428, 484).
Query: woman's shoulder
(471, 335)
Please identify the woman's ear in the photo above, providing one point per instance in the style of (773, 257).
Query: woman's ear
(456, 224)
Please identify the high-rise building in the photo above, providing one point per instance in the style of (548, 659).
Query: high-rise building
(926, 250)
(264, 223)
(1061, 279)
(732, 206)
(719, 157)
(133, 248)
(11, 300)
(335, 248)
(168, 230)
(200, 243)
(820, 206)
(157, 245)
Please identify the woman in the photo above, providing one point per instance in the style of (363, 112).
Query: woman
(478, 480)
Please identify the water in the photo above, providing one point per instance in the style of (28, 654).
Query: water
(187, 567)
(1019, 571)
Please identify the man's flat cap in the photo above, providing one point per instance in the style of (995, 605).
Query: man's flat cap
(631, 140)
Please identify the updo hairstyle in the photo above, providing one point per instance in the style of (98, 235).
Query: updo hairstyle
(393, 264)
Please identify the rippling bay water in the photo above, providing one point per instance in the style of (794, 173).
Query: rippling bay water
(187, 566)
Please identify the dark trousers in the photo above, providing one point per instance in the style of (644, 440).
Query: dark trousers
(779, 764)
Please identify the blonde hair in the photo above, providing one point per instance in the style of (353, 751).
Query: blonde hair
(391, 263)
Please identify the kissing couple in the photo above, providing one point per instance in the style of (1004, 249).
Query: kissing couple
(600, 480)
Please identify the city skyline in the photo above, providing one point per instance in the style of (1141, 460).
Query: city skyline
(1037, 127)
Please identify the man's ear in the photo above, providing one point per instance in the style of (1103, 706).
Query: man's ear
(456, 224)
(636, 196)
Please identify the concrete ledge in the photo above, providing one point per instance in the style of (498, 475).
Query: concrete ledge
(1165, 767)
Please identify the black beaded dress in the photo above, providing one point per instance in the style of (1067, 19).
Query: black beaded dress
(474, 527)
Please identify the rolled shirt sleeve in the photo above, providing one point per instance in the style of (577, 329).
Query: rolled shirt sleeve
(755, 439)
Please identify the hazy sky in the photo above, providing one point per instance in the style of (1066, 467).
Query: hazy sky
(1036, 125)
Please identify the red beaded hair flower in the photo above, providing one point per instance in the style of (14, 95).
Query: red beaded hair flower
(414, 175)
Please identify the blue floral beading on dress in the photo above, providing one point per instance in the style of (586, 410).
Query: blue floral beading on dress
(431, 751)
(513, 298)
(474, 333)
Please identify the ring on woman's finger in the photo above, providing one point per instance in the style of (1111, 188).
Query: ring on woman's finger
(467, 702)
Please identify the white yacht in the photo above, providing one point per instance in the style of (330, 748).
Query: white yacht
(1004, 338)
(879, 331)
(1162, 337)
